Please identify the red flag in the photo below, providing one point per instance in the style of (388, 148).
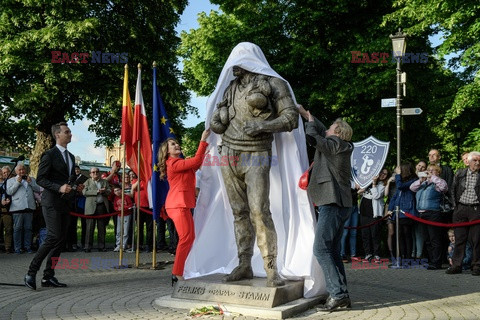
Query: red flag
(140, 133)
(127, 124)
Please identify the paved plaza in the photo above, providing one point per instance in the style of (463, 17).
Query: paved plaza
(96, 291)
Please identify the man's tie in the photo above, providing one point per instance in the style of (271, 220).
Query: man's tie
(67, 160)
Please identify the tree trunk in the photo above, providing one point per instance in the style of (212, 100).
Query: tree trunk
(44, 142)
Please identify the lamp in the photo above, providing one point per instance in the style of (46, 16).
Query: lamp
(399, 46)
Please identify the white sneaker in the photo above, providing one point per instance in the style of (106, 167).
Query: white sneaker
(368, 257)
(376, 258)
(117, 248)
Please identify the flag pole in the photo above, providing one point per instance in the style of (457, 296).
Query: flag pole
(137, 251)
(120, 255)
(154, 249)
(122, 213)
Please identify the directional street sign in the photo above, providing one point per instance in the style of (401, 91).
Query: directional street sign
(392, 102)
(411, 111)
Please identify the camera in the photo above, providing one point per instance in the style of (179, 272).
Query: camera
(422, 174)
(24, 177)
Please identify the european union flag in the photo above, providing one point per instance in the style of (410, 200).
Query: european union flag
(161, 131)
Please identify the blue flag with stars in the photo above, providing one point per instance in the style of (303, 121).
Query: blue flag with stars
(161, 131)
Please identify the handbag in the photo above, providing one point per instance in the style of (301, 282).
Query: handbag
(305, 178)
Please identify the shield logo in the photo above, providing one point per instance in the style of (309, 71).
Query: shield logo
(368, 158)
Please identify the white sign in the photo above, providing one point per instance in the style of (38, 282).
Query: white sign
(386, 103)
(411, 111)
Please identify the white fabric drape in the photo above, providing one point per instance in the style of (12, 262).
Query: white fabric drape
(214, 249)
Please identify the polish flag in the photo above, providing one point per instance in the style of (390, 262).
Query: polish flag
(141, 134)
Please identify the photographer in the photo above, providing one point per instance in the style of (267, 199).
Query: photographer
(22, 205)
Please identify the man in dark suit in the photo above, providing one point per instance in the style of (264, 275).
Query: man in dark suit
(329, 189)
(54, 172)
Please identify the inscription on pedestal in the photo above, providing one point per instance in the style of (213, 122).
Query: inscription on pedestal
(248, 292)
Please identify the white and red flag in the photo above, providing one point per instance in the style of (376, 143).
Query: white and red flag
(141, 134)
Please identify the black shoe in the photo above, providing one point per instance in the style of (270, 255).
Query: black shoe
(102, 250)
(333, 304)
(30, 282)
(432, 267)
(476, 272)
(52, 282)
(87, 250)
(174, 279)
(453, 270)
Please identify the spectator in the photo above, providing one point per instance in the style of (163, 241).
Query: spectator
(467, 259)
(145, 218)
(5, 216)
(465, 158)
(372, 209)
(114, 179)
(127, 214)
(96, 192)
(466, 196)
(429, 189)
(419, 231)
(21, 189)
(404, 198)
(390, 190)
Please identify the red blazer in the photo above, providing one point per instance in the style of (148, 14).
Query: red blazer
(181, 178)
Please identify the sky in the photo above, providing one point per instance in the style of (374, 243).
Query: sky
(82, 144)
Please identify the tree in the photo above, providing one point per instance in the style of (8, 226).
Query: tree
(458, 23)
(40, 92)
(310, 43)
(191, 138)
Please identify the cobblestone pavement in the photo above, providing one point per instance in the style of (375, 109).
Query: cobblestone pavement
(105, 293)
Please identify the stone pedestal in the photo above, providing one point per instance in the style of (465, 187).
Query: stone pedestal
(245, 292)
(247, 297)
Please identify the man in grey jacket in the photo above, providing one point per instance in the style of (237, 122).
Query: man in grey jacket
(329, 189)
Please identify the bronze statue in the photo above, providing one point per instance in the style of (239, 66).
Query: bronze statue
(254, 106)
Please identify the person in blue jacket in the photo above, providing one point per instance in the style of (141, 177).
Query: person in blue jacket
(404, 198)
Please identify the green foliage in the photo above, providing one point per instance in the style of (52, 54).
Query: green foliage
(458, 22)
(43, 93)
(310, 44)
(191, 138)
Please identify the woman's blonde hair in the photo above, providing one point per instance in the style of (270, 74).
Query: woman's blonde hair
(435, 167)
(163, 156)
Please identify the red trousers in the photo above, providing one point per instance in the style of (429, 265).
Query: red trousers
(182, 217)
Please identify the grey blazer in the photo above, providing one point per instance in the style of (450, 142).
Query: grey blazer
(330, 176)
(22, 198)
(90, 192)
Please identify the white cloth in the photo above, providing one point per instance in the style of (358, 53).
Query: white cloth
(214, 249)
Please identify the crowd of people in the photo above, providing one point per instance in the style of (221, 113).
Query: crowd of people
(23, 227)
(431, 191)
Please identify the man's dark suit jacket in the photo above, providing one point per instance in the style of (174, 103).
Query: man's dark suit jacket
(331, 173)
(52, 174)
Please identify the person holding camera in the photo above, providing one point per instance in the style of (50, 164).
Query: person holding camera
(21, 189)
(429, 189)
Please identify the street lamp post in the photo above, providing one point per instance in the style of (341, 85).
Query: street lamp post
(399, 45)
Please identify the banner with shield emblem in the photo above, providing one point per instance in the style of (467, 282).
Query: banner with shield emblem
(367, 160)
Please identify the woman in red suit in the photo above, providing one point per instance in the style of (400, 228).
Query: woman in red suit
(180, 174)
